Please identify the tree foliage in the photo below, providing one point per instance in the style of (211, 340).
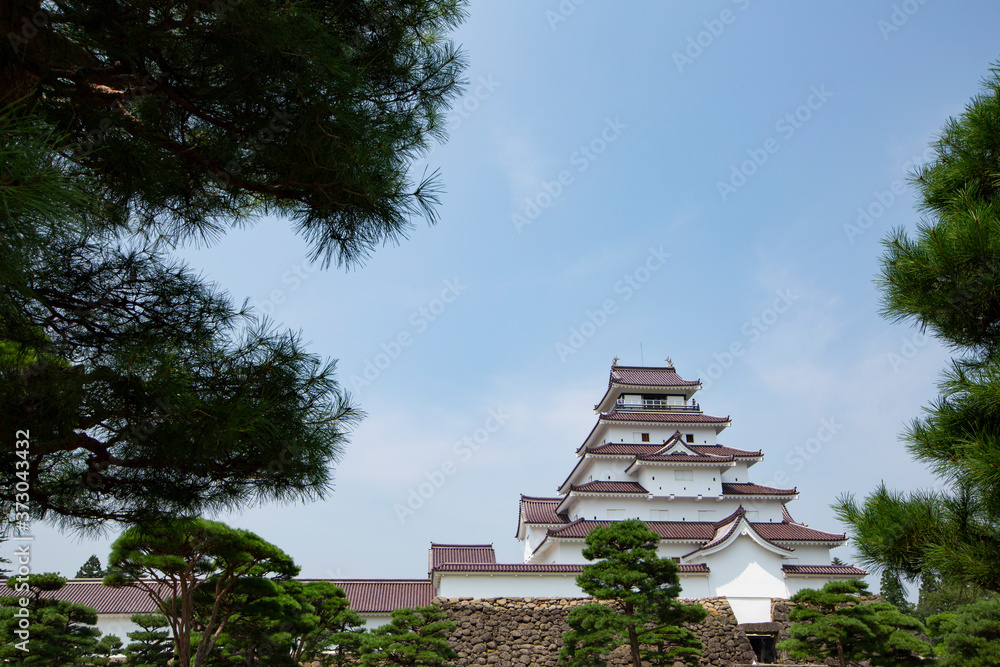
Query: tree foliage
(946, 281)
(284, 622)
(175, 401)
(938, 595)
(192, 115)
(641, 609)
(892, 591)
(151, 645)
(414, 638)
(58, 632)
(968, 637)
(835, 622)
(326, 621)
(127, 128)
(199, 572)
(91, 569)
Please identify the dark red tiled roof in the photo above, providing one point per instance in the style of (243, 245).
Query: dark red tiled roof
(540, 510)
(366, 596)
(635, 449)
(381, 596)
(796, 532)
(621, 415)
(649, 376)
(461, 553)
(106, 600)
(751, 489)
(624, 449)
(609, 487)
(785, 514)
(722, 450)
(841, 570)
(703, 531)
(695, 531)
(540, 568)
(681, 457)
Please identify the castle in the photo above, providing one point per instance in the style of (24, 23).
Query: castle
(654, 455)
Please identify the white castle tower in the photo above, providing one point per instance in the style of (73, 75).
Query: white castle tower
(654, 455)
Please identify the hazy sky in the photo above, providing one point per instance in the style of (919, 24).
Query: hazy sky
(707, 181)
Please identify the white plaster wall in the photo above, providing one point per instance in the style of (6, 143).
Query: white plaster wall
(658, 434)
(675, 549)
(558, 551)
(768, 509)
(373, 621)
(476, 585)
(811, 555)
(796, 584)
(568, 552)
(596, 507)
(661, 480)
(118, 625)
(678, 509)
(738, 473)
(457, 584)
(597, 468)
(749, 576)
(746, 569)
(750, 610)
(693, 587)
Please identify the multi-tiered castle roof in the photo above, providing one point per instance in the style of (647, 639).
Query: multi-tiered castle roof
(654, 455)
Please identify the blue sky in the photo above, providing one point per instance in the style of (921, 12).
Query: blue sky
(707, 181)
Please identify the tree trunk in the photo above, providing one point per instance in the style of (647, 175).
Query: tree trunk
(633, 640)
(841, 660)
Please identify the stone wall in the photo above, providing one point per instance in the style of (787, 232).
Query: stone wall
(528, 631)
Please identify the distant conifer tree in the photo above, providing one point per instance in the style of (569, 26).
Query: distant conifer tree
(91, 569)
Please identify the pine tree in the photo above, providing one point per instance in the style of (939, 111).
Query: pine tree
(127, 128)
(946, 280)
(191, 116)
(892, 591)
(968, 637)
(644, 613)
(91, 569)
(328, 630)
(414, 638)
(187, 564)
(150, 645)
(59, 632)
(938, 595)
(835, 622)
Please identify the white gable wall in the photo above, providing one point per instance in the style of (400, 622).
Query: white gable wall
(738, 473)
(749, 575)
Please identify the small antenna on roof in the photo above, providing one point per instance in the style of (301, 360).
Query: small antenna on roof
(642, 359)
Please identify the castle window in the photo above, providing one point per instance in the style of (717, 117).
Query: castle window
(685, 475)
(645, 437)
(690, 437)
